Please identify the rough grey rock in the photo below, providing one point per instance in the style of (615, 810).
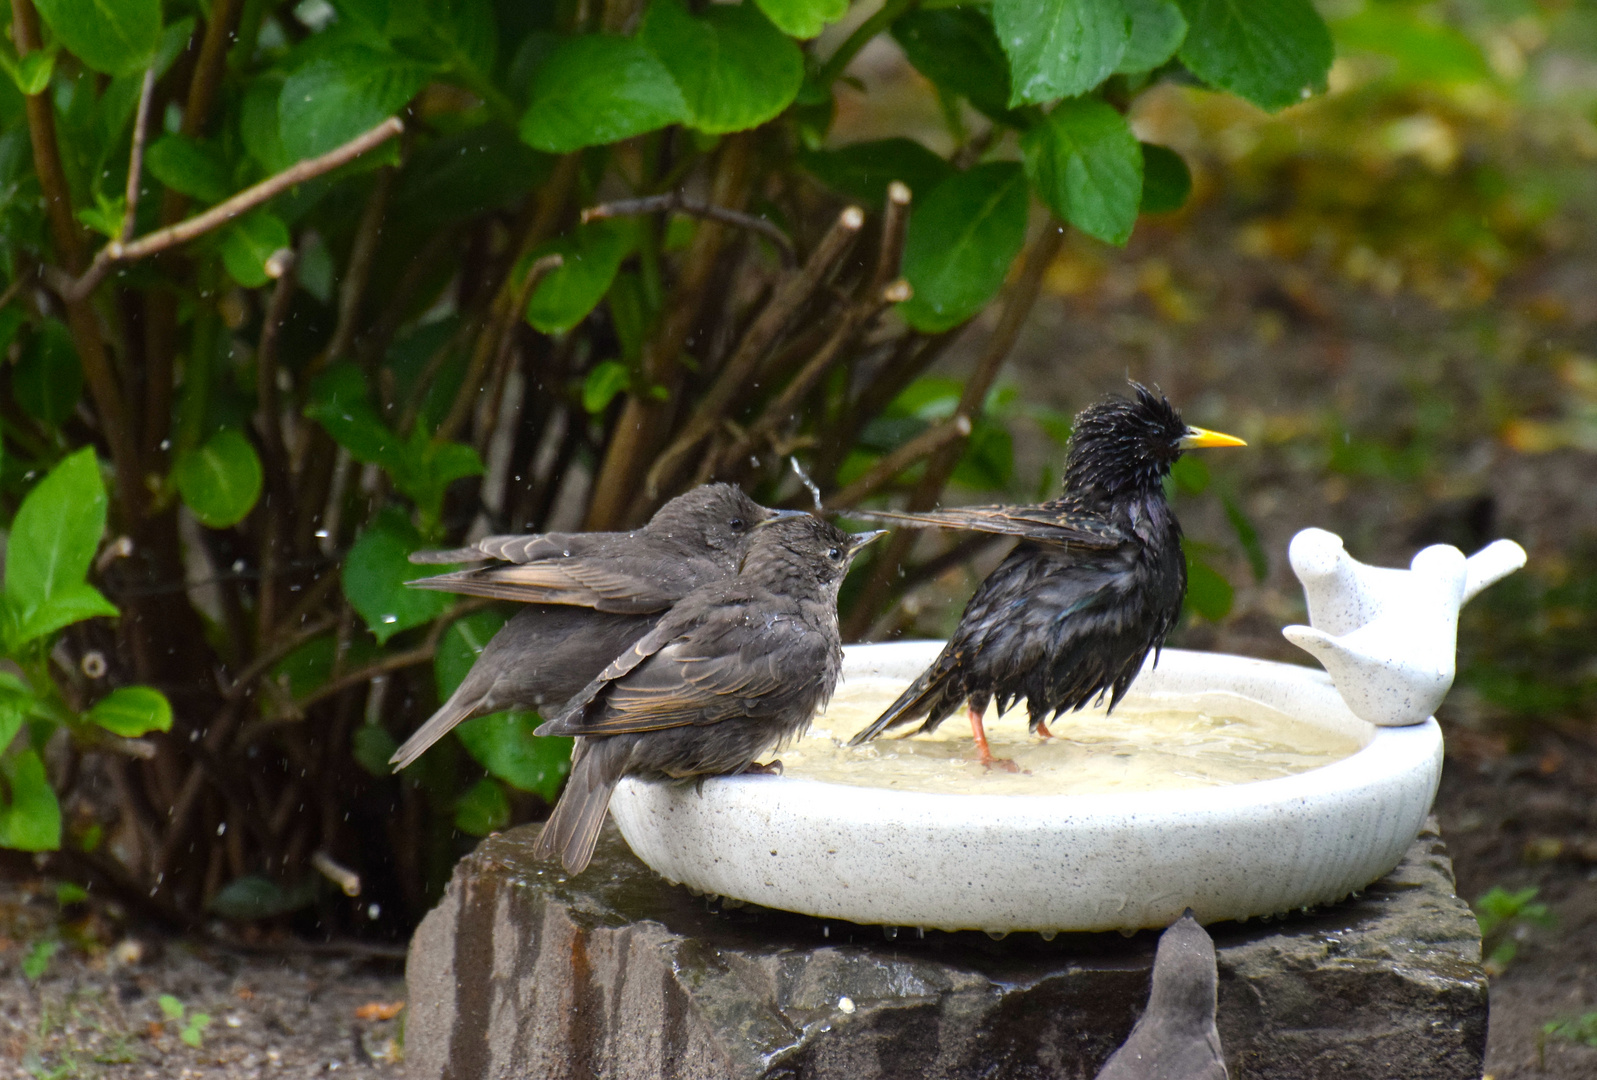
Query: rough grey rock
(522, 972)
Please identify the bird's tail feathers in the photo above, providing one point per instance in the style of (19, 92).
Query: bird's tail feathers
(573, 829)
(924, 695)
(437, 726)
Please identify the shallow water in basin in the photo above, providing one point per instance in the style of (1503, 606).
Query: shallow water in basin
(1149, 743)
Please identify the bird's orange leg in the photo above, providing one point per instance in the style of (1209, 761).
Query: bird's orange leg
(984, 753)
(1042, 730)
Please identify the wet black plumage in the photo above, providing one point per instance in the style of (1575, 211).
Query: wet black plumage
(1094, 585)
(733, 671)
(1176, 1038)
(587, 597)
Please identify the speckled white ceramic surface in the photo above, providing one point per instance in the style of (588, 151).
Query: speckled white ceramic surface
(1060, 862)
(1389, 637)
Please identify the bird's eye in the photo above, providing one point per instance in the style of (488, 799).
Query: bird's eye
(835, 554)
(736, 524)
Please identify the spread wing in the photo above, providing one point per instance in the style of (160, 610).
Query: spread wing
(722, 667)
(629, 586)
(1050, 523)
(518, 548)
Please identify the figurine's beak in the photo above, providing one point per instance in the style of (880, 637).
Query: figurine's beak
(1197, 437)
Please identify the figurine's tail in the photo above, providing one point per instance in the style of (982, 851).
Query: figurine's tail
(1491, 564)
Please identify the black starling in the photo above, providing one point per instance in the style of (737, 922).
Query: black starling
(1094, 584)
(1176, 1039)
(733, 671)
(587, 596)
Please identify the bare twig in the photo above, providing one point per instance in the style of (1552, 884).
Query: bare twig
(223, 212)
(357, 273)
(346, 879)
(885, 470)
(279, 485)
(894, 220)
(141, 127)
(735, 374)
(268, 657)
(676, 202)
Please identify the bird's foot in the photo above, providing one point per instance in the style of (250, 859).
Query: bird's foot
(1006, 764)
(774, 768)
(984, 752)
(1042, 730)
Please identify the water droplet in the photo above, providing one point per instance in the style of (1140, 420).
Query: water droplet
(322, 534)
(996, 935)
(1127, 933)
(845, 1004)
(390, 618)
(1048, 935)
(373, 910)
(890, 933)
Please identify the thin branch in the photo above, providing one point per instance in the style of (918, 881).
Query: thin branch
(888, 467)
(141, 127)
(357, 273)
(223, 212)
(421, 654)
(734, 376)
(279, 485)
(677, 203)
(894, 219)
(267, 658)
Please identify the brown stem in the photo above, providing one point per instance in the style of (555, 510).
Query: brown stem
(641, 427)
(141, 127)
(223, 212)
(885, 470)
(269, 656)
(734, 377)
(1022, 294)
(894, 220)
(279, 485)
(486, 347)
(210, 66)
(357, 272)
(676, 202)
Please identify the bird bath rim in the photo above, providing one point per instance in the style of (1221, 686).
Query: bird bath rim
(1001, 863)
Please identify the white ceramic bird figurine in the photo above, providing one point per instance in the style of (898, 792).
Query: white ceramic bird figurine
(1389, 637)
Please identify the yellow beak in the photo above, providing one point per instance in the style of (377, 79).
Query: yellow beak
(1197, 436)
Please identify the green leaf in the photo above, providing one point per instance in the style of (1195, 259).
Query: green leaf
(1166, 180)
(221, 480)
(734, 69)
(1272, 52)
(504, 744)
(30, 816)
(372, 747)
(598, 89)
(132, 711)
(48, 379)
(375, 572)
(193, 1032)
(52, 541)
(16, 701)
(1424, 51)
(803, 19)
(604, 382)
(863, 170)
(960, 243)
(1087, 166)
(195, 168)
(1208, 592)
(33, 72)
(37, 962)
(1157, 27)
(68, 893)
(249, 242)
(258, 124)
(1060, 48)
(482, 809)
(117, 37)
(957, 49)
(255, 897)
(593, 253)
(485, 168)
(344, 91)
(1248, 537)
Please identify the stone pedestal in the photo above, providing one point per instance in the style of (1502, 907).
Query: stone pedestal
(522, 972)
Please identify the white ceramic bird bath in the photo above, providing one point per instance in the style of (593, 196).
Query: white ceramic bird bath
(1056, 862)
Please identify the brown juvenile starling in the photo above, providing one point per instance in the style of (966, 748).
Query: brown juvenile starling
(1176, 1038)
(1095, 583)
(733, 671)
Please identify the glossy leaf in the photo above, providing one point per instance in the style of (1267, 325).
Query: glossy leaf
(256, 897)
(1060, 48)
(221, 480)
(372, 747)
(33, 72)
(482, 809)
(504, 744)
(117, 37)
(1166, 180)
(346, 90)
(1087, 166)
(375, 572)
(803, 19)
(258, 123)
(1208, 592)
(249, 242)
(1423, 50)
(132, 711)
(1272, 52)
(1157, 27)
(30, 816)
(598, 89)
(734, 69)
(1248, 537)
(48, 380)
(593, 254)
(195, 168)
(460, 647)
(16, 700)
(960, 243)
(607, 379)
(53, 538)
(957, 49)
(863, 170)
